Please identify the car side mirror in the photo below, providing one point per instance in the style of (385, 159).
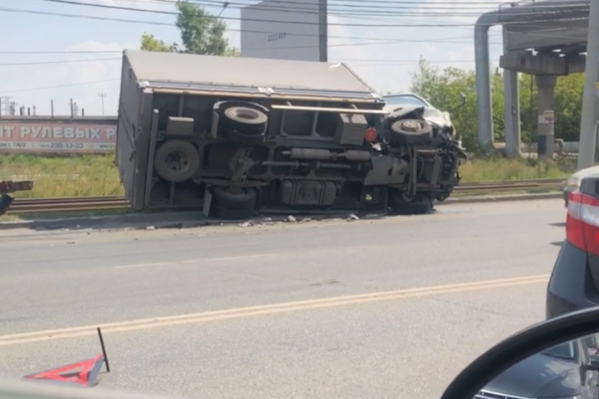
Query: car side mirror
(463, 102)
(542, 352)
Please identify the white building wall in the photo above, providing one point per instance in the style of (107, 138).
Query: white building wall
(274, 29)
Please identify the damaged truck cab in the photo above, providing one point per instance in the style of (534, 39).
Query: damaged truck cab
(235, 136)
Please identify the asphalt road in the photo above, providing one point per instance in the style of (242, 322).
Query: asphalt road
(370, 308)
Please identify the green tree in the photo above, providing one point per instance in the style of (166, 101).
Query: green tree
(568, 106)
(201, 33)
(150, 43)
(442, 88)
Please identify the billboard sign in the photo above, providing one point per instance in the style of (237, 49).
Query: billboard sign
(56, 137)
(275, 29)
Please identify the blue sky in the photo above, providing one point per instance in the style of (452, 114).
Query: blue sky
(383, 56)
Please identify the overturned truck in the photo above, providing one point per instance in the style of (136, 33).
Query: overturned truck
(235, 136)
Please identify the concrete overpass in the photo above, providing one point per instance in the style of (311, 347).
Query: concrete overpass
(546, 39)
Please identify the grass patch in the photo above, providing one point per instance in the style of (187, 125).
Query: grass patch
(93, 175)
(74, 176)
(501, 169)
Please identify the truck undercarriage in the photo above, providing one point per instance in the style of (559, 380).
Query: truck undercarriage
(234, 152)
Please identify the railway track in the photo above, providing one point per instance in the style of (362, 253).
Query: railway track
(35, 205)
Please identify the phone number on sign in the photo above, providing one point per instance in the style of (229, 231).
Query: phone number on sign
(63, 146)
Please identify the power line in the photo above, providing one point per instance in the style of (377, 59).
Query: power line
(385, 6)
(162, 12)
(105, 6)
(57, 62)
(136, 21)
(396, 41)
(336, 60)
(59, 86)
(346, 14)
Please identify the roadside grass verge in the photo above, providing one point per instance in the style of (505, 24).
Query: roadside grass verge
(76, 176)
(95, 175)
(501, 169)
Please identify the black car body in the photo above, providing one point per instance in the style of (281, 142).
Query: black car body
(573, 285)
(574, 281)
(559, 372)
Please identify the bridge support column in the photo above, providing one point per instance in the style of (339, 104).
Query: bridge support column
(545, 127)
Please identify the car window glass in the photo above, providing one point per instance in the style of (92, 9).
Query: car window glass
(566, 350)
(404, 100)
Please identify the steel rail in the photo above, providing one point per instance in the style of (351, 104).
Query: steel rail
(34, 205)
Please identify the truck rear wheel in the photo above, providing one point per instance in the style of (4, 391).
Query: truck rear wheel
(176, 160)
(233, 214)
(235, 204)
(243, 198)
(411, 132)
(419, 205)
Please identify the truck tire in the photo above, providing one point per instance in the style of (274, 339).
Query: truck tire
(176, 160)
(245, 120)
(417, 206)
(233, 214)
(245, 199)
(411, 132)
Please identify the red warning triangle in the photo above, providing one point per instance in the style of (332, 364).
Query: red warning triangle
(83, 373)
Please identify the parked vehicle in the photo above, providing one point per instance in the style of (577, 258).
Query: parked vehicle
(234, 135)
(559, 371)
(574, 281)
(570, 371)
(574, 181)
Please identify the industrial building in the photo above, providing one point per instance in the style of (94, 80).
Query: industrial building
(287, 31)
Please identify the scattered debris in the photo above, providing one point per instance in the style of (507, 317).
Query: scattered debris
(291, 219)
(352, 217)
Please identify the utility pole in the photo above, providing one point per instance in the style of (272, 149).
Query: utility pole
(102, 95)
(588, 123)
(323, 35)
(5, 106)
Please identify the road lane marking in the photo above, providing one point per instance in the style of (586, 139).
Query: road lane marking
(141, 265)
(235, 313)
(238, 257)
(198, 260)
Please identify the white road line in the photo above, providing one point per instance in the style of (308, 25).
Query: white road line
(195, 261)
(142, 265)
